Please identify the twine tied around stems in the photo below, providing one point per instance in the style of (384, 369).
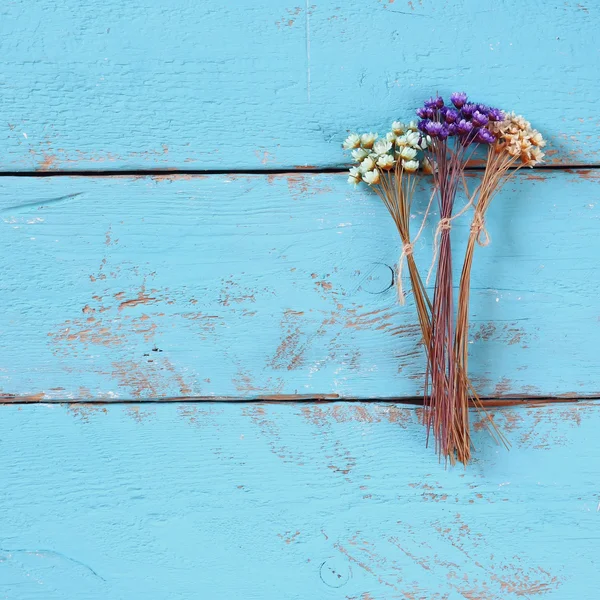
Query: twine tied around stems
(407, 250)
(445, 224)
(478, 228)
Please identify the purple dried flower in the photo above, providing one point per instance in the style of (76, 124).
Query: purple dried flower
(485, 136)
(480, 119)
(433, 128)
(495, 114)
(422, 125)
(459, 99)
(468, 110)
(452, 129)
(444, 132)
(425, 113)
(451, 115)
(483, 109)
(464, 127)
(436, 102)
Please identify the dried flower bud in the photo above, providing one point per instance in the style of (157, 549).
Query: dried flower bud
(359, 154)
(495, 114)
(451, 115)
(382, 147)
(385, 162)
(371, 177)
(433, 128)
(398, 127)
(537, 139)
(413, 139)
(480, 119)
(464, 127)
(485, 136)
(402, 141)
(468, 109)
(352, 141)
(459, 99)
(410, 165)
(354, 176)
(367, 165)
(368, 139)
(408, 153)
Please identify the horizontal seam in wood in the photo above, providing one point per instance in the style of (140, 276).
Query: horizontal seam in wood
(490, 402)
(199, 172)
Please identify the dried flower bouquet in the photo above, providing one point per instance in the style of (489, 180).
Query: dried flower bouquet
(442, 144)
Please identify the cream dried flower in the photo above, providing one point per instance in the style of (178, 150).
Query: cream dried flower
(371, 177)
(359, 154)
(352, 141)
(398, 127)
(382, 147)
(412, 126)
(408, 153)
(390, 137)
(401, 141)
(386, 162)
(410, 165)
(367, 140)
(537, 139)
(367, 165)
(355, 176)
(413, 138)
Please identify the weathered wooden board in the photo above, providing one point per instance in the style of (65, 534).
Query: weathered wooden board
(262, 502)
(246, 286)
(144, 84)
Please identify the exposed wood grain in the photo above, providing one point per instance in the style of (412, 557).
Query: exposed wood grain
(339, 501)
(138, 84)
(254, 286)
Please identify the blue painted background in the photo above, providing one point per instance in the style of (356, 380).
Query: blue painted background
(164, 289)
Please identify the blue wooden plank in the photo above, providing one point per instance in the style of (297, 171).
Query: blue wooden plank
(246, 286)
(267, 502)
(139, 84)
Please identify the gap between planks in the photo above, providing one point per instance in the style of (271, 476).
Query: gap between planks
(478, 166)
(489, 402)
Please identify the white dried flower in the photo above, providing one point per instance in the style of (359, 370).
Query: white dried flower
(359, 154)
(410, 165)
(368, 139)
(398, 127)
(390, 137)
(371, 177)
(413, 138)
(367, 165)
(408, 153)
(354, 176)
(412, 126)
(352, 141)
(381, 147)
(385, 162)
(425, 142)
(401, 141)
